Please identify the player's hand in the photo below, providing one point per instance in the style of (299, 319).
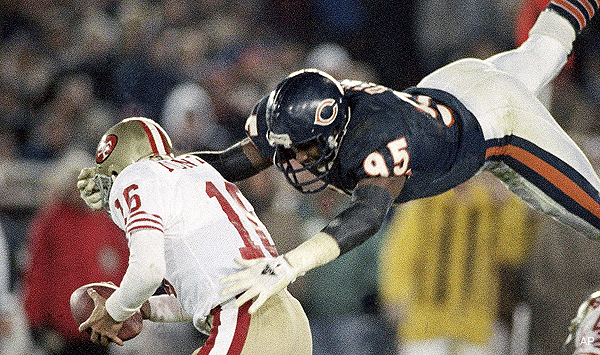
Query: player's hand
(262, 277)
(88, 190)
(103, 328)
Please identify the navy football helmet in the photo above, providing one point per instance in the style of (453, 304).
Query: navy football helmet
(308, 108)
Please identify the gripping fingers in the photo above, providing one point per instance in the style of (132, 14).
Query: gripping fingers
(96, 313)
(265, 293)
(86, 325)
(90, 194)
(95, 337)
(243, 279)
(240, 275)
(86, 173)
(249, 262)
(81, 184)
(247, 296)
(236, 288)
(87, 187)
(94, 295)
(104, 340)
(85, 181)
(90, 187)
(262, 298)
(103, 329)
(94, 201)
(115, 339)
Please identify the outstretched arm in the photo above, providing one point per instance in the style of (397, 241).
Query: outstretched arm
(238, 162)
(371, 201)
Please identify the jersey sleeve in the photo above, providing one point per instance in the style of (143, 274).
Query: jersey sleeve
(138, 206)
(146, 269)
(256, 128)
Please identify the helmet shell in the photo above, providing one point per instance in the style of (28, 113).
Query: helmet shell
(128, 141)
(307, 104)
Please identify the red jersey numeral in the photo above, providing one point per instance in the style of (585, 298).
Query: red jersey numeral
(250, 250)
(133, 201)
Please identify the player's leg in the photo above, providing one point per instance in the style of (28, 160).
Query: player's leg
(279, 327)
(572, 195)
(525, 147)
(539, 59)
(541, 164)
(533, 155)
(542, 56)
(229, 330)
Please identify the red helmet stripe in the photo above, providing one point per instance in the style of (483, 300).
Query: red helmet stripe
(156, 138)
(150, 138)
(164, 138)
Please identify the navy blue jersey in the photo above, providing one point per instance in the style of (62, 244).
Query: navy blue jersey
(425, 134)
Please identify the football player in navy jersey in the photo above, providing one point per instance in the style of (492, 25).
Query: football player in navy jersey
(383, 146)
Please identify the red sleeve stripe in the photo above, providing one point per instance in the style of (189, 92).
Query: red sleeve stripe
(130, 222)
(148, 221)
(146, 213)
(129, 230)
(144, 221)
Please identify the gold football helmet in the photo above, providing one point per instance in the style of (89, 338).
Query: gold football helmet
(125, 143)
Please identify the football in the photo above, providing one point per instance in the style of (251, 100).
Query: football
(82, 306)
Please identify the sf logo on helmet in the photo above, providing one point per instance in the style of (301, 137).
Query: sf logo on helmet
(326, 112)
(105, 148)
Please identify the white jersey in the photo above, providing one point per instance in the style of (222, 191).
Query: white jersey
(206, 222)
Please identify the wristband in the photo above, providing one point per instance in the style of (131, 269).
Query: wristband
(318, 250)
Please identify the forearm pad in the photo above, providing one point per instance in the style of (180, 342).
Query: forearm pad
(317, 251)
(360, 221)
(232, 163)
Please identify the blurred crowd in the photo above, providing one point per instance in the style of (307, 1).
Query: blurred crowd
(71, 69)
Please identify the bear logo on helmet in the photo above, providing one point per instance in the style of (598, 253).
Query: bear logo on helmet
(325, 107)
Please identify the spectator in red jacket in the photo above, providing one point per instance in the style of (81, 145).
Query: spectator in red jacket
(70, 245)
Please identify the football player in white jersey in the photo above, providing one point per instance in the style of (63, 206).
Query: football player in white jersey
(584, 331)
(189, 237)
